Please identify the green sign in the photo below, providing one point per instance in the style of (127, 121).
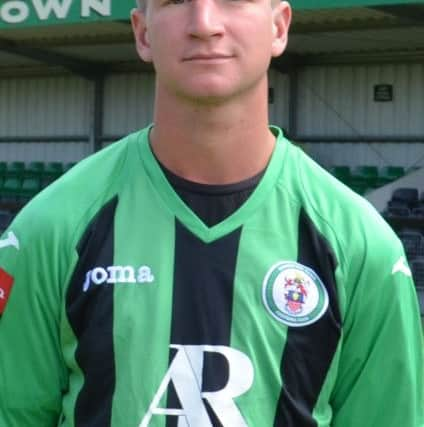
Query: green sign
(27, 13)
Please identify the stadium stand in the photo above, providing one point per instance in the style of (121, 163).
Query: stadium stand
(418, 212)
(20, 182)
(365, 178)
(30, 187)
(68, 166)
(413, 242)
(398, 211)
(417, 266)
(407, 197)
(405, 212)
(5, 219)
(35, 170)
(390, 173)
(52, 171)
(11, 189)
(15, 170)
(3, 169)
(342, 173)
(366, 175)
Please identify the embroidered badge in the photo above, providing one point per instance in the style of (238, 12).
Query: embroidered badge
(294, 294)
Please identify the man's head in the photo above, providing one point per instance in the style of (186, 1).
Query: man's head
(210, 48)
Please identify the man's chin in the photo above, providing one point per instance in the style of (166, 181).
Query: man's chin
(211, 95)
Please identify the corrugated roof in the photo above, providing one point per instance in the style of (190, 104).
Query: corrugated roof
(402, 39)
(334, 31)
(71, 33)
(311, 17)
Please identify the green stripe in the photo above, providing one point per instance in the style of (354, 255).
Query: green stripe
(254, 331)
(144, 310)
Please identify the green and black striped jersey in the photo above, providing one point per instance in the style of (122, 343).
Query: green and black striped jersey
(121, 308)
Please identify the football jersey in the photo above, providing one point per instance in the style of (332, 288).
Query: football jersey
(121, 308)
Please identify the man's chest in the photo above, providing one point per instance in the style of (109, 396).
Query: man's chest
(205, 334)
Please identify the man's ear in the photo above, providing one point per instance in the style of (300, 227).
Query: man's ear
(142, 44)
(281, 18)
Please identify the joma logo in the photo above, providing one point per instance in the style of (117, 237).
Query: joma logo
(117, 274)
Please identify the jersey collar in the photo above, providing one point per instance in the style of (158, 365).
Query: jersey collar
(186, 216)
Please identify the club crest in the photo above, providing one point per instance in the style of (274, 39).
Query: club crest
(294, 294)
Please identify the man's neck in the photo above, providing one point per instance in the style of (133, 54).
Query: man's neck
(212, 144)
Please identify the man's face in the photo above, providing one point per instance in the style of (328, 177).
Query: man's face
(210, 50)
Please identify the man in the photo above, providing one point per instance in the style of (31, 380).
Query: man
(203, 271)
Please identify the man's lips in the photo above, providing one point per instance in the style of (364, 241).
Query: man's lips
(207, 57)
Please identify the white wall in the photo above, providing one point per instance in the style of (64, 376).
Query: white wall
(338, 102)
(334, 101)
(379, 197)
(44, 106)
(45, 152)
(128, 102)
(378, 154)
(279, 109)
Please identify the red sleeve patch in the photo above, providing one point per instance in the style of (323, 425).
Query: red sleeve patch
(6, 283)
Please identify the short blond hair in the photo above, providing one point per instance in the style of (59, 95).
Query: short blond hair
(141, 4)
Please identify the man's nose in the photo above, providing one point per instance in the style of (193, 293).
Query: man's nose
(205, 18)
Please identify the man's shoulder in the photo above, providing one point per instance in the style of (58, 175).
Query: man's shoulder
(333, 206)
(91, 177)
(363, 244)
(75, 197)
(102, 166)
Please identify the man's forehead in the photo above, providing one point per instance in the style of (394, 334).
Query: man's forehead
(141, 4)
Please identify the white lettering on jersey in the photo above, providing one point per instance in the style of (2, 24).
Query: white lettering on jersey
(401, 267)
(117, 274)
(186, 373)
(2, 294)
(11, 240)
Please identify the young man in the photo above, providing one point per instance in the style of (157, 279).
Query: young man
(204, 272)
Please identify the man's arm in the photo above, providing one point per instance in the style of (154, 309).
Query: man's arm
(32, 373)
(380, 377)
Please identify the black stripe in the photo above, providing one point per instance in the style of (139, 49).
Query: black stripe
(309, 350)
(203, 303)
(90, 315)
